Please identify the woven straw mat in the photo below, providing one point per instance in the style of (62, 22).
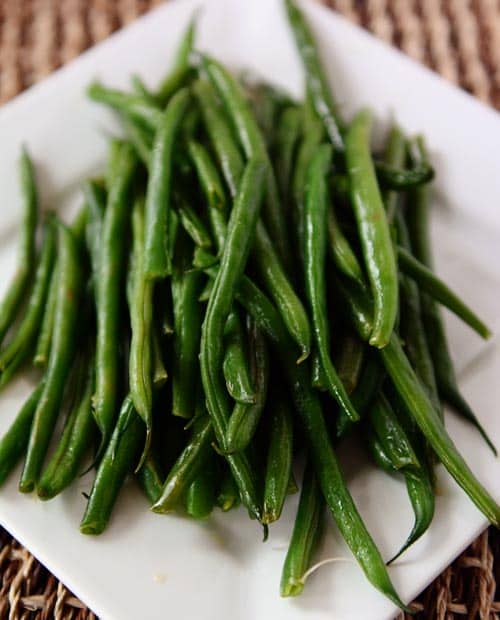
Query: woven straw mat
(458, 38)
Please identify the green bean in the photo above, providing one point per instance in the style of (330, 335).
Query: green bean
(140, 88)
(107, 294)
(314, 263)
(180, 69)
(160, 374)
(253, 144)
(393, 178)
(13, 444)
(137, 107)
(44, 340)
(412, 328)
(394, 155)
(201, 494)
(279, 459)
(194, 227)
(266, 102)
(417, 220)
(233, 261)
(326, 467)
(24, 338)
(141, 321)
(26, 253)
(191, 460)
(228, 496)
(287, 137)
(340, 250)
(116, 463)
(378, 453)
(70, 285)
(150, 480)
(279, 287)
(305, 535)
(206, 292)
(244, 419)
(350, 361)
(208, 175)
(77, 437)
(439, 291)
(95, 200)
(188, 317)
(317, 85)
(225, 147)
(391, 435)
(139, 137)
(373, 229)
(421, 409)
(318, 377)
(235, 365)
(157, 260)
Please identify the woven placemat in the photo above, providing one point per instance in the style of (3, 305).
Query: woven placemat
(458, 38)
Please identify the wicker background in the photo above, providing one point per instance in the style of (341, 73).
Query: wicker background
(458, 38)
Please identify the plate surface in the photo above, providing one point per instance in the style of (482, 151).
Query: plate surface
(146, 566)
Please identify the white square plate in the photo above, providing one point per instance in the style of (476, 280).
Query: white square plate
(148, 566)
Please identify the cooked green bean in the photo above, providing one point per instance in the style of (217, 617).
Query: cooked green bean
(201, 494)
(70, 289)
(244, 419)
(228, 496)
(140, 88)
(317, 85)
(26, 257)
(117, 462)
(350, 361)
(373, 229)
(439, 291)
(194, 227)
(157, 260)
(77, 437)
(150, 480)
(340, 250)
(314, 264)
(15, 441)
(394, 178)
(180, 69)
(25, 336)
(208, 175)
(44, 340)
(107, 293)
(235, 364)
(287, 137)
(305, 535)
(279, 458)
(394, 155)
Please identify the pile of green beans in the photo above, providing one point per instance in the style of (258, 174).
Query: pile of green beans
(246, 285)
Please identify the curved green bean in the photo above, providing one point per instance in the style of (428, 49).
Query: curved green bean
(235, 364)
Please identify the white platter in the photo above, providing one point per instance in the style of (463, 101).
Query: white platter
(150, 567)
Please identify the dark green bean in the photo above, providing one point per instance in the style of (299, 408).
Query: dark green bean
(26, 253)
(139, 137)
(287, 137)
(340, 250)
(160, 374)
(13, 444)
(135, 106)
(279, 458)
(305, 535)
(180, 69)
(235, 365)
(150, 480)
(439, 291)
(44, 340)
(233, 261)
(373, 229)
(194, 227)
(107, 294)
(25, 336)
(78, 435)
(95, 200)
(201, 494)
(188, 317)
(189, 463)
(393, 178)
(157, 263)
(244, 419)
(208, 175)
(70, 289)
(350, 361)
(317, 85)
(116, 463)
(394, 155)
(253, 144)
(314, 263)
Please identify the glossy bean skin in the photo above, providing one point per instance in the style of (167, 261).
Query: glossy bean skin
(78, 435)
(157, 262)
(241, 226)
(201, 494)
(150, 479)
(117, 462)
(44, 339)
(373, 229)
(108, 289)
(27, 251)
(208, 175)
(70, 290)
(314, 262)
(235, 365)
(287, 138)
(305, 536)
(279, 458)
(350, 361)
(15, 441)
(194, 227)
